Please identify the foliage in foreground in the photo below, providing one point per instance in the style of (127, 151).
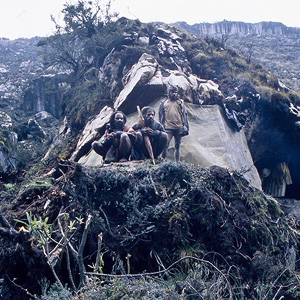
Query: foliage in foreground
(194, 233)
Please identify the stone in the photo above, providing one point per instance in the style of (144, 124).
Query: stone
(138, 75)
(35, 129)
(91, 131)
(108, 73)
(147, 82)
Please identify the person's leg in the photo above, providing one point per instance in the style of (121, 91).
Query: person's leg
(99, 148)
(125, 146)
(137, 151)
(170, 135)
(177, 138)
(111, 155)
(159, 144)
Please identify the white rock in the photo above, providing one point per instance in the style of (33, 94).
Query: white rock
(6, 120)
(91, 129)
(139, 74)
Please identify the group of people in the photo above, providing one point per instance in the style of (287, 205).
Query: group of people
(147, 138)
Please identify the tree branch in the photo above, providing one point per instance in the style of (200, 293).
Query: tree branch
(80, 251)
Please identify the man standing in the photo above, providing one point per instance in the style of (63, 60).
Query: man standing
(117, 141)
(151, 129)
(173, 115)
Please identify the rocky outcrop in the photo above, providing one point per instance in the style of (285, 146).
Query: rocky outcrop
(44, 95)
(19, 63)
(138, 76)
(8, 145)
(30, 98)
(92, 130)
(212, 140)
(271, 44)
(143, 84)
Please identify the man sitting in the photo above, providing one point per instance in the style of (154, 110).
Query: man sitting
(117, 141)
(155, 133)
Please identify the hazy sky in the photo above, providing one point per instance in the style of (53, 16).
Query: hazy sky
(28, 18)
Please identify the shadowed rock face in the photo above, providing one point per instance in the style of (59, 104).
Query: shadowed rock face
(44, 95)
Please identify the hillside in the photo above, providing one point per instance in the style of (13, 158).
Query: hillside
(208, 227)
(271, 44)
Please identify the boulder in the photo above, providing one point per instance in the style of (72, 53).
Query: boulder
(213, 141)
(138, 75)
(91, 131)
(191, 88)
(35, 129)
(169, 46)
(147, 81)
(108, 73)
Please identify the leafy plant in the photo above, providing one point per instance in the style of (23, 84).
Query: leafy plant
(39, 228)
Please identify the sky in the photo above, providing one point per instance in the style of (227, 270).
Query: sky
(29, 18)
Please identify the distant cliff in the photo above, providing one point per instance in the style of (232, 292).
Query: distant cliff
(240, 28)
(272, 44)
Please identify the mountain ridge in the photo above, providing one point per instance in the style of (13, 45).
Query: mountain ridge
(239, 27)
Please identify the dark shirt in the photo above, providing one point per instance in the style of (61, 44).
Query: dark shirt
(156, 126)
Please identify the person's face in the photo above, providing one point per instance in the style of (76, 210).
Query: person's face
(149, 116)
(119, 120)
(173, 94)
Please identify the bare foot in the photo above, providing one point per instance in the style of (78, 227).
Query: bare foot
(123, 160)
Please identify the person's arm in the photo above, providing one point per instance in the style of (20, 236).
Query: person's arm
(184, 116)
(161, 113)
(132, 132)
(104, 136)
(158, 128)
